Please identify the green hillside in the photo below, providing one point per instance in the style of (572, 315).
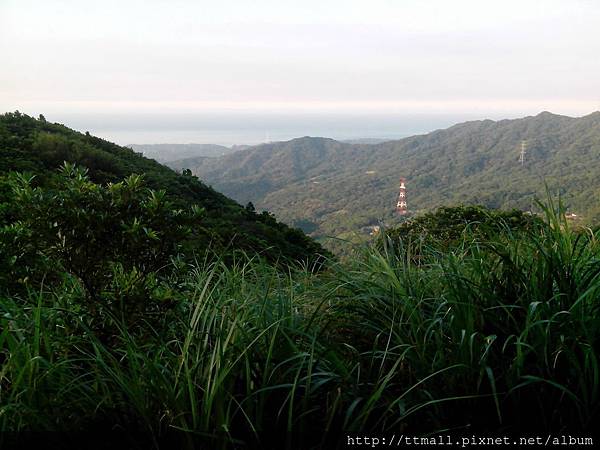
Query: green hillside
(40, 147)
(331, 188)
(117, 330)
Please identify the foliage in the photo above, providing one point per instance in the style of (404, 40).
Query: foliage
(516, 318)
(342, 187)
(97, 234)
(40, 147)
(447, 227)
(114, 314)
(496, 332)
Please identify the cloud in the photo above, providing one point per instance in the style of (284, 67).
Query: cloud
(334, 55)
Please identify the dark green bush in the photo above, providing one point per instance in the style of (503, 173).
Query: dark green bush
(121, 233)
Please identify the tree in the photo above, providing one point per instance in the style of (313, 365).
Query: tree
(447, 226)
(92, 232)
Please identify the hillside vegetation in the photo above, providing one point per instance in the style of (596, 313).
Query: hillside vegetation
(495, 329)
(123, 326)
(331, 188)
(40, 148)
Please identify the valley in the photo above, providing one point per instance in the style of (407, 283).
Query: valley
(332, 189)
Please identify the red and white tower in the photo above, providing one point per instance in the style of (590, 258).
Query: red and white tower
(401, 206)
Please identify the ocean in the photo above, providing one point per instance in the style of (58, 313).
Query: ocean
(237, 128)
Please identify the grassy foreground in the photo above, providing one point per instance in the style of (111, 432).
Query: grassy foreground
(495, 333)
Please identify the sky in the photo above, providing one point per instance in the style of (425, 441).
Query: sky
(73, 59)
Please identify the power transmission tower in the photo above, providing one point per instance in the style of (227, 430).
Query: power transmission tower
(523, 151)
(401, 205)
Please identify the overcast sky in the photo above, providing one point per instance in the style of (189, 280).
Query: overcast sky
(442, 56)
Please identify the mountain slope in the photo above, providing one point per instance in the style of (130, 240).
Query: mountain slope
(37, 146)
(331, 188)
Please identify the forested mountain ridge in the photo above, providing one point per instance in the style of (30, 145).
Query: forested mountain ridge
(254, 173)
(331, 188)
(40, 147)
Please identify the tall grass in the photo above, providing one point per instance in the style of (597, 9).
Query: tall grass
(501, 333)
(516, 316)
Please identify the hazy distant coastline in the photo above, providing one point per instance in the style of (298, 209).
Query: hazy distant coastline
(251, 129)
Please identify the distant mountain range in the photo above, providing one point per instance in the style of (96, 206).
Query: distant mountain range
(370, 141)
(172, 152)
(332, 188)
(183, 154)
